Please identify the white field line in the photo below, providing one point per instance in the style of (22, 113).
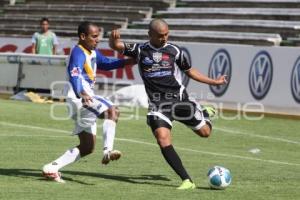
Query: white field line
(140, 142)
(236, 132)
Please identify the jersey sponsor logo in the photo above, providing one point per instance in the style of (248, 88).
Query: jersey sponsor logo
(295, 81)
(260, 75)
(157, 74)
(220, 64)
(147, 61)
(158, 67)
(157, 56)
(75, 72)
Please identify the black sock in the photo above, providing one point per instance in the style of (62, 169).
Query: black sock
(174, 161)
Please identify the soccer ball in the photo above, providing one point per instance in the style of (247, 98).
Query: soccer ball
(219, 177)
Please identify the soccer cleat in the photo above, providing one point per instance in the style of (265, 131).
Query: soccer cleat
(110, 156)
(210, 110)
(187, 185)
(52, 174)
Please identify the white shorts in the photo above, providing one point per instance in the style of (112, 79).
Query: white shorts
(85, 117)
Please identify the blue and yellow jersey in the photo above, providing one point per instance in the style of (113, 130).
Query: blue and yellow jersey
(82, 69)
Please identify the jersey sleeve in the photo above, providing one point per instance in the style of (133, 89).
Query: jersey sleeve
(105, 63)
(183, 61)
(75, 68)
(131, 49)
(55, 39)
(34, 38)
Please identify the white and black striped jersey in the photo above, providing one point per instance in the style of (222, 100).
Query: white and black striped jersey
(161, 70)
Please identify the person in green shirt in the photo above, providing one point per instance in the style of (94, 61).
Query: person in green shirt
(44, 42)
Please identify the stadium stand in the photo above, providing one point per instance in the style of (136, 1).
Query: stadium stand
(27, 30)
(27, 16)
(244, 16)
(210, 36)
(233, 13)
(109, 11)
(225, 21)
(155, 4)
(240, 3)
(31, 22)
(284, 28)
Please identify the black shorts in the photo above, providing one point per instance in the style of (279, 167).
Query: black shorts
(187, 112)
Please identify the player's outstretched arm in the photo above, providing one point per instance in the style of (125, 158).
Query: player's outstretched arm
(197, 76)
(115, 41)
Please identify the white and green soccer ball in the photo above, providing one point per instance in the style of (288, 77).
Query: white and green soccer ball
(219, 177)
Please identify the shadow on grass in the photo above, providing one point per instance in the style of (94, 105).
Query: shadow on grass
(140, 179)
(208, 188)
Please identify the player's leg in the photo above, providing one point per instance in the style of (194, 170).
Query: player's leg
(87, 142)
(207, 113)
(204, 131)
(85, 128)
(105, 108)
(85, 147)
(202, 125)
(194, 116)
(162, 132)
(109, 132)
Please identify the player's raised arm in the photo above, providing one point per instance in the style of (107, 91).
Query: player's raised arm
(115, 41)
(197, 76)
(184, 64)
(127, 49)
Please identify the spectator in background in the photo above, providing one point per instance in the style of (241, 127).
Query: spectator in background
(44, 42)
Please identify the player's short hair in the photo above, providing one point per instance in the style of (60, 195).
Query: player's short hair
(84, 27)
(44, 19)
(155, 22)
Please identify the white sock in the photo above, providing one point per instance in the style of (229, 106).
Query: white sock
(67, 158)
(109, 131)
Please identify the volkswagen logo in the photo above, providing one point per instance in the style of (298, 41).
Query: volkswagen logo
(260, 76)
(295, 80)
(220, 64)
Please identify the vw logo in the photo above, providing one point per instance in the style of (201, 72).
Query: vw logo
(260, 76)
(295, 80)
(220, 64)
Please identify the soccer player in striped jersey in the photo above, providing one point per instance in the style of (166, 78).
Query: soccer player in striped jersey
(161, 64)
(84, 105)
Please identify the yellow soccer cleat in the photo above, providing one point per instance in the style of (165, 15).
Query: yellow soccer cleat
(187, 185)
(211, 111)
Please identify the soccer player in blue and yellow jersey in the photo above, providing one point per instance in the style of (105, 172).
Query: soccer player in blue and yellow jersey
(85, 106)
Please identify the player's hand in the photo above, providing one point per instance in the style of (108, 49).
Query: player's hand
(115, 34)
(221, 80)
(115, 41)
(86, 99)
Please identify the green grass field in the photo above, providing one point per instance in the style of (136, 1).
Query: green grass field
(29, 138)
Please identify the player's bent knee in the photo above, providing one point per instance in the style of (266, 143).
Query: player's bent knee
(113, 113)
(84, 151)
(205, 131)
(163, 140)
(117, 113)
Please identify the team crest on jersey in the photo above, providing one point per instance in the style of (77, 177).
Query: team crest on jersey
(75, 72)
(157, 56)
